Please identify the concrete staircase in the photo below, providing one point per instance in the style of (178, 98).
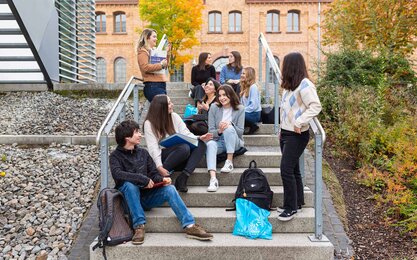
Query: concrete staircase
(165, 239)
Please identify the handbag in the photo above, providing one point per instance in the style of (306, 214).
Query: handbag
(251, 221)
(190, 110)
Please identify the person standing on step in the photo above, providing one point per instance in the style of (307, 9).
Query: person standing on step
(250, 98)
(230, 74)
(226, 123)
(199, 75)
(300, 103)
(155, 83)
(161, 122)
(135, 174)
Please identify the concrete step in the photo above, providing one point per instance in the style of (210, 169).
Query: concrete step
(178, 101)
(178, 92)
(178, 85)
(198, 196)
(218, 220)
(223, 246)
(201, 176)
(263, 159)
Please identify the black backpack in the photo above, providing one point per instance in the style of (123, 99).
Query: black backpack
(113, 220)
(253, 186)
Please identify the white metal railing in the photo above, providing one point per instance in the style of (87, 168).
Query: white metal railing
(117, 112)
(317, 129)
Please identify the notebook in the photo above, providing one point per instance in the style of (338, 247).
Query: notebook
(176, 139)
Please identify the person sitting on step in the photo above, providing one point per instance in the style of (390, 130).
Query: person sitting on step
(230, 73)
(226, 123)
(199, 75)
(161, 122)
(250, 98)
(135, 175)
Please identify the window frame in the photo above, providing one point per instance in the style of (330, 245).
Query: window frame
(103, 69)
(290, 26)
(271, 13)
(100, 15)
(120, 23)
(115, 70)
(215, 25)
(234, 19)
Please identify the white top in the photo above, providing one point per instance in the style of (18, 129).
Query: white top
(152, 142)
(252, 103)
(227, 114)
(298, 107)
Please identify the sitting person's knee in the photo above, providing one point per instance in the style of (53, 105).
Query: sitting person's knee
(184, 149)
(129, 187)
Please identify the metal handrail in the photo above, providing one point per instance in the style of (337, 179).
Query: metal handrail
(319, 138)
(116, 112)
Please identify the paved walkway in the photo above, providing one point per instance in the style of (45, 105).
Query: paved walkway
(332, 228)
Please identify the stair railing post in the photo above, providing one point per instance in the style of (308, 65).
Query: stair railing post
(260, 61)
(104, 161)
(267, 79)
(318, 212)
(136, 103)
(302, 167)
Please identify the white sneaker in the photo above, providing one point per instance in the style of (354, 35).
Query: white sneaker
(228, 167)
(213, 186)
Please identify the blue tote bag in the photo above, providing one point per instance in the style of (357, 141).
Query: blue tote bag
(190, 110)
(252, 221)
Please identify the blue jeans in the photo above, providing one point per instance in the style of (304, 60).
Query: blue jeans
(152, 89)
(139, 199)
(228, 142)
(252, 118)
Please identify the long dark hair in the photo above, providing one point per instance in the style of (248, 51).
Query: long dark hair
(216, 87)
(202, 60)
(158, 116)
(237, 64)
(231, 94)
(294, 70)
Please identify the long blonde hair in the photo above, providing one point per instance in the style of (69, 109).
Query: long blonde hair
(250, 79)
(143, 39)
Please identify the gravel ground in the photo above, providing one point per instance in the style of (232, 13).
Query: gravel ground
(50, 114)
(44, 195)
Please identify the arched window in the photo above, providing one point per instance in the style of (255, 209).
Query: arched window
(101, 70)
(218, 65)
(235, 21)
(272, 78)
(100, 22)
(120, 70)
(215, 21)
(293, 21)
(272, 21)
(119, 22)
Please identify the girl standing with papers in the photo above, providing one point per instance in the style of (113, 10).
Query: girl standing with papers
(161, 122)
(154, 80)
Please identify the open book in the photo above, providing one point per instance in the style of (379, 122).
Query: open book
(176, 139)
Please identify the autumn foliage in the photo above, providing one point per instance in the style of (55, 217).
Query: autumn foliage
(179, 20)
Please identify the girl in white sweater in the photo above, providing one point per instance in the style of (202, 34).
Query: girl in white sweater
(299, 105)
(161, 122)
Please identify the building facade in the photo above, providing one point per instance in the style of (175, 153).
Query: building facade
(232, 25)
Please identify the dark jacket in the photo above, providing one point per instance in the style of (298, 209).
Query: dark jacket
(135, 166)
(199, 77)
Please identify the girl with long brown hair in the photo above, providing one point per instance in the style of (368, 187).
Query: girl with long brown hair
(230, 74)
(199, 75)
(250, 98)
(161, 122)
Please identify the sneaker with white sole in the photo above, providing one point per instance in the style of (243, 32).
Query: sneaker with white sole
(282, 209)
(228, 167)
(287, 215)
(213, 186)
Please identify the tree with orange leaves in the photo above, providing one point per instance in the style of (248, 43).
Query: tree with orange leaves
(179, 20)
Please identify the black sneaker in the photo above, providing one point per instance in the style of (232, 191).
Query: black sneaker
(282, 209)
(287, 215)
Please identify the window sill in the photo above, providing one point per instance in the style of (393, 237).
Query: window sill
(101, 33)
(214, 32)
(119, 33)
(235, 32)
(293, 32)
(273, 32)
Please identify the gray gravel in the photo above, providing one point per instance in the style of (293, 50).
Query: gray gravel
(43, 197)
(34, 113)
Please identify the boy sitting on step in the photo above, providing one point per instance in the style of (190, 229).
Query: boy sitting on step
(135, 175)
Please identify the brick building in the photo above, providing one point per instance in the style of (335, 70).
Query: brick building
(227, 25)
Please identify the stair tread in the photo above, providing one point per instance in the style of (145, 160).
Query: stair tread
(237, 170)
(232, 189)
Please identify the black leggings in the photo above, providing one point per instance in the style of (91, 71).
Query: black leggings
(182, 158)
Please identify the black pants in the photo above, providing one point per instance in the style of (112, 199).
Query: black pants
(292, 146)
(182, 158)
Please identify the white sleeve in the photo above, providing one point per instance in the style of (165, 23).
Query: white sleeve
(153, 144)
(180, 126)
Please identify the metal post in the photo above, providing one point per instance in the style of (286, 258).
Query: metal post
(122, 115)
(302, 167)
(136, 103)
(104, 161)
(260, 61)
(276, 105)
(318, 227)
(267, 78)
